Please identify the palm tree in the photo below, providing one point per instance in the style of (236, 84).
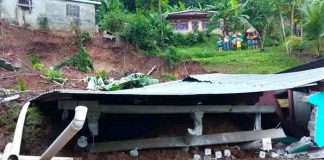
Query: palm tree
(313, 12)
(227, 10)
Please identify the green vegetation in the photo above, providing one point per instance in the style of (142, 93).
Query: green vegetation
(102, 74)
(42, 22)
(9, 118)
(314, 22)
(21, 85)
(272, 60)
(135, 80)
(35, 128)
(81, 61)
(52, 74)
(81, 38)
(169, 77)
(293, 24)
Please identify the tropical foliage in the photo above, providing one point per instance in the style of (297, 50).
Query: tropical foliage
(274, 20)
(314, 21)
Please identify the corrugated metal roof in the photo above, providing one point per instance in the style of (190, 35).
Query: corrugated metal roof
(317, 63)
(212, 84)
(231, 83)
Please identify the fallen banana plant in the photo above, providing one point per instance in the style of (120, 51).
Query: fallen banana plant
(135, 80)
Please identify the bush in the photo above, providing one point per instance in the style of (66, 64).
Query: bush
(81, 38)
(114, 22)
(42, 22)
(172, 57)
(38, 66)
(102, 74)
(169, 77)
(35, 129)
(8, 119)
(21, 85)
(54, 75)
(34, 58)
(81, 61)
(141, 33)
(189, 39)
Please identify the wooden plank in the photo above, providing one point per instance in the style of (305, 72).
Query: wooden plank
(170, 142)
(170, 109)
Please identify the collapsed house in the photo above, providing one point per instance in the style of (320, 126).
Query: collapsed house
(197, 95)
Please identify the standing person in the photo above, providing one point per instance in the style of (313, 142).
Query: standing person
(249, 42)
(226, 43)
(238, 44)
(255, 41)
(220, 44)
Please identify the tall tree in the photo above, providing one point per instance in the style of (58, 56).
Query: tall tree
(228, 11)
(261, 17)
(313, 14)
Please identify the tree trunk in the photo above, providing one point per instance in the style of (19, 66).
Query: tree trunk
(318, 47)
(282, 24)
(283, 29)
(292, 18)
(225, 25)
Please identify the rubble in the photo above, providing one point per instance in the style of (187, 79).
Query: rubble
(227, 153)
(319, 154)
(266, 144)
(303, 145)
(196, 157)
(208, 152)
(134, 153)
(262, 154)
(218, 155)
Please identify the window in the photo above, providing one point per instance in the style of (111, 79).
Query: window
(73, 10)
(205, 25)
(180, 26)
(25, 2)
(195, 25)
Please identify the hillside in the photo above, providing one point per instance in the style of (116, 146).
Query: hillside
(18, 43)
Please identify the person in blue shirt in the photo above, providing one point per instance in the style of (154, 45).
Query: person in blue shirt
(220, 44)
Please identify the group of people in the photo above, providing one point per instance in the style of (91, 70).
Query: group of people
(235, 42)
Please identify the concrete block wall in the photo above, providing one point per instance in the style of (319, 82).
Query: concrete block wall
(55, 10)
(8, 9)
(58, 20)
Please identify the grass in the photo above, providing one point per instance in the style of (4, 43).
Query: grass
(273, 60)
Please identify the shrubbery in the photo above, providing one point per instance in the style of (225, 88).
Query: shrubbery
(51, 74)
(147, 32)
(42, 22)
(141, 33)
(172, 57)
(80, 38)
(81, 61)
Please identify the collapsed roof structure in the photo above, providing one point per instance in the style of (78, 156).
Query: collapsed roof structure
(195, 95)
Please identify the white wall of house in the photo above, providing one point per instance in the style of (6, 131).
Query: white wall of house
(59, 20)
(190, 27)
(55, 11)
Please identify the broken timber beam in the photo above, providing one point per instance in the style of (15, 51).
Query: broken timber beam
(170, 142)
(167, 109)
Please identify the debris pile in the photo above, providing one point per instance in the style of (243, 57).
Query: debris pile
(135, 80)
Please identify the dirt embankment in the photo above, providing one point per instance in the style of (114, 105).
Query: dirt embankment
(17, 43)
